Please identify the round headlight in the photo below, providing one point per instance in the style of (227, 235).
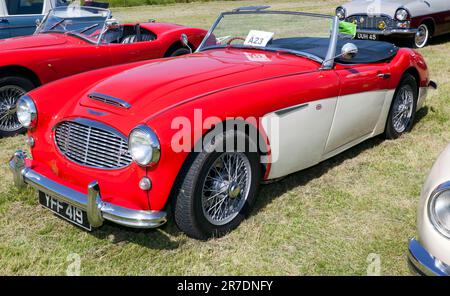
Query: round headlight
(144, 146)
(26, 112)
(439, 210)
(340, 13)
(401, 14)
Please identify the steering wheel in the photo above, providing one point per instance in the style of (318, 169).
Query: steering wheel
(234, 39)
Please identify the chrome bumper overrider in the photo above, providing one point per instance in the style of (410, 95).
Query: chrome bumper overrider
(387, 31)
(97, 210)
(423, 263)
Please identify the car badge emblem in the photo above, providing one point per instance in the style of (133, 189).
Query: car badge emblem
(123, 152)
(98, 113)
(361, 20)
(319, 107)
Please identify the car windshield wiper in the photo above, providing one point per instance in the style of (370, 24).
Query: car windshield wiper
(56, 24)
(83, 30)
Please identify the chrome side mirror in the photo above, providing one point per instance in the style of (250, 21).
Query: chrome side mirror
(349, 51)
(185, 41)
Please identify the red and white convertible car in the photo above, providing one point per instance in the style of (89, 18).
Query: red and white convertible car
(267, 93)
(72, 40)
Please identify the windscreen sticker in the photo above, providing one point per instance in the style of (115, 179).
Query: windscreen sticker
(257, 57)
(258, 38)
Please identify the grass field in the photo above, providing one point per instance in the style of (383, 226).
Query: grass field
(325, 220)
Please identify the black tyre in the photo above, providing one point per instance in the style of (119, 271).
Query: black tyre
(403, 108)
(217, 189)
(11, 89)
(421, 38)
(179, 52)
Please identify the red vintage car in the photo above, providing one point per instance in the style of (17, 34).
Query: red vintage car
(72, 40)
(267, 93)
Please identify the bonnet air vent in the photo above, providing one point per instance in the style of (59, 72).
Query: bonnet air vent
(109, 100)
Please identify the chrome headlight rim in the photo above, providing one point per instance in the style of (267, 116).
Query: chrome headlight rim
(432, 215)
(402, 14)
(153, 143)
(341, 13)
(32, 114)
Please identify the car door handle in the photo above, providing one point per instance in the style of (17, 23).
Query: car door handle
(384, 75)
(4, 21)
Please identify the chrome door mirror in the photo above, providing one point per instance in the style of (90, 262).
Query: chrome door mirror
(349, 51)
(185, 41)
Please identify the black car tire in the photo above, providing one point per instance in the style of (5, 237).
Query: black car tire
(179, 52)
(407, 84)
(14, 83)
(188, 207)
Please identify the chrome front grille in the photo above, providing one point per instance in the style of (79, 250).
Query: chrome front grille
(92, 144)
(369, 22)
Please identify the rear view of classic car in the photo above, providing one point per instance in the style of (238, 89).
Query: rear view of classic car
(113, 152)
(430, 253)
(413, 20)
(74, 39)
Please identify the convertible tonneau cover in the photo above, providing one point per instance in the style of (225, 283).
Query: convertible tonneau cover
(369, 51)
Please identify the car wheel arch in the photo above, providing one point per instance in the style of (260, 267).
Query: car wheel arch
(431, 24)
(191, 155)
(413, 71)
(20, 71)
(176, 45)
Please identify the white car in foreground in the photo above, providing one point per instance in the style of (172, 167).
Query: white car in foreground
(430, 254)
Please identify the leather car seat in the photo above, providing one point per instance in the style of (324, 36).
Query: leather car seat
(129, 39)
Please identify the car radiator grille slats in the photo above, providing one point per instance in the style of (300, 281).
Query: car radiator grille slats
(91, 146)
(369, 22)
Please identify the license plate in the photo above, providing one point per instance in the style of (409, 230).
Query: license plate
(364, 36)
(64, 210)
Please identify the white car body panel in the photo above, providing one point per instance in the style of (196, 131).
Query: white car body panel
(302, 147)
(389, 7)
(356, 116)
(333, 127)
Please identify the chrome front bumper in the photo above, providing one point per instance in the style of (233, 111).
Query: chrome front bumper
(387, 32)
(423, 263)
(97, 210)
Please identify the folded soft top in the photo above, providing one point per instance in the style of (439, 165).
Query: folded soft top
(369, 51)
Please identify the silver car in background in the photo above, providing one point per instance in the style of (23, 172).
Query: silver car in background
(415, 20)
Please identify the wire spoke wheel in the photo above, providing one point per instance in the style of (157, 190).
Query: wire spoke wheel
(403, 109)
(9, 95)
(226, 188)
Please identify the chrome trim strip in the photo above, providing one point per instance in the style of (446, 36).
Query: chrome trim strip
(424, 263)
(107, 99)
(287, 110)
(387, 31)
(97, 210)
